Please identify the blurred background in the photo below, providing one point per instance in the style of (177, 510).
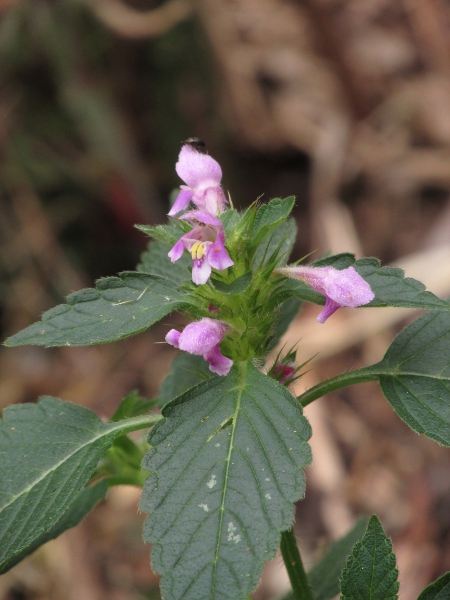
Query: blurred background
(345, 104)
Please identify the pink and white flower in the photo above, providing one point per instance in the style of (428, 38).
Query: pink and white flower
(206, 244)
(202, 175)
(340, 288)
(203, 338)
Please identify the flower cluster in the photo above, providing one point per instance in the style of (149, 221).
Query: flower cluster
(206, 243)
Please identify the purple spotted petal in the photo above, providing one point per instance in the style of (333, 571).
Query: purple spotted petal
(218, 363)
(201, 270)
(182, 201)
(218, 256)
(200, 337)
(196, 168)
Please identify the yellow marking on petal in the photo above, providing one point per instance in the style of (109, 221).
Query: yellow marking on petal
(198, 250)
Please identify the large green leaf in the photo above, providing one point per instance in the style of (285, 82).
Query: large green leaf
(117, 308)
(370, 573)
(81, 506)
(438, 590)
(225, 469)
(415, 375)
(48, 452)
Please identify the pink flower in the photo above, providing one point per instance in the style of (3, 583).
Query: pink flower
(206, 243)
(340, 288)
(202, 174)
(203, 338)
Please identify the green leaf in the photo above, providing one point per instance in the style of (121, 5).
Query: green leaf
(225, 469)
(415, 375)
(48, 452)
(170, 234)
(389, 284)
(237, 286)
(269, 216)
(324, 576)
(155, 261)
(230, 220)
(118, 307)
(187, 370)
(370, 572)
(287, 313)
(439, 590)
(132, 406)
(279, 243)
(81, 506)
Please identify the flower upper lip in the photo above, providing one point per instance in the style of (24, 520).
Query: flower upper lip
(203, 175)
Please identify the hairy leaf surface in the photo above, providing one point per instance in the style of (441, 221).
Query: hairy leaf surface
(225, 469)
(415, 375)
(187, 370)
(81, 506)
(438, 590)
(48, 452)
(116, 308)
(370, 573)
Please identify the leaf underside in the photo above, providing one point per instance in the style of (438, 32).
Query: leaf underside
(225, 469)
(370, 573)
(116, 308)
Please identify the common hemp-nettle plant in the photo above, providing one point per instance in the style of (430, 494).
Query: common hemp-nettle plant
(228, 442)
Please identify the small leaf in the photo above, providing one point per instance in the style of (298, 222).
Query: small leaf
(287, 313)
(269, 216)
(324, 576)
(280, 241)
(439, 590)
(155, 260)
(237, 286)
(230, 220)
(118, 307)
(81, 506)
(132, 406)
(370, 573)
(48, 452)
(187, 371)
(225, 469)
(415, 375)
